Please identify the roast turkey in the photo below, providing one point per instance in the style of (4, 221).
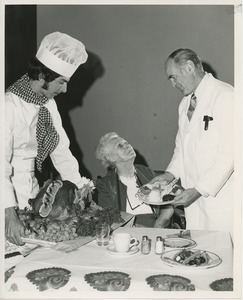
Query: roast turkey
(55, 200)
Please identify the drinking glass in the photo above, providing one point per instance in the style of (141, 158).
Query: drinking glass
(102, 234)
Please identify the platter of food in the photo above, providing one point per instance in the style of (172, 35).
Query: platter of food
(191, 258)
(62, 218)
(73, 232)
(157, 193)
(178, 242)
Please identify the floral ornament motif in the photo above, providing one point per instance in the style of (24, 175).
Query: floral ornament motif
(9, 273)
(225, 284)
(164, 282)
(48, 278)
(14, 288)
(108, 281)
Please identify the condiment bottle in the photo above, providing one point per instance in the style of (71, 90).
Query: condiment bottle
(159, 245)
(145, 245)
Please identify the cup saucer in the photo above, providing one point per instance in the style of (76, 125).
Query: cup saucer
(111, 249)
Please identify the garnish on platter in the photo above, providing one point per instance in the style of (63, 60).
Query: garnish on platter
(158, 193)
(60, 213)
(191, 258)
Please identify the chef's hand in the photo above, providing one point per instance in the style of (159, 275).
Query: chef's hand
(164, 178)
(14, 228)
(187, 197)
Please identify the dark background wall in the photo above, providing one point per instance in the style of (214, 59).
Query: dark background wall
(123, 87)
(20, 40)
(130, 93)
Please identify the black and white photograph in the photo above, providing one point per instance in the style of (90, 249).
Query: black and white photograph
(121, 152)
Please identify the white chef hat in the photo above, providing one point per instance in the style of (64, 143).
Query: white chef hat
(61, 53)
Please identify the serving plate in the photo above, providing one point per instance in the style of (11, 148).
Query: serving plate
(155, 202)
(71, 245)
(111, 249)
(42, 243)
(167, 258)
(178, 242)
(144, 198)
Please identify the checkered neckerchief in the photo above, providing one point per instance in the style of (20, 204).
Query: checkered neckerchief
(46, 134)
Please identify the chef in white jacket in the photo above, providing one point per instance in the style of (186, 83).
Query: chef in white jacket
(34, 127)
(203, 156)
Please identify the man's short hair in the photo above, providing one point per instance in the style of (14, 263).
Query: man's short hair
(36, 68)
(182, 55)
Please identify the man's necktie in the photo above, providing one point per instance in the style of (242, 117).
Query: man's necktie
(193, 104)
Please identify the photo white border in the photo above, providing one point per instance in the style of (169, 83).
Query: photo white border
(238, 135)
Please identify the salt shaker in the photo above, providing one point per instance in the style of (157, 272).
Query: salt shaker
(145, 245)
(159, 245)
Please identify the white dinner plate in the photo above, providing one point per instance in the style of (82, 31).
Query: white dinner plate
(156, 202)
(167, 258)
(111, 249)
(142, 197)
(178, 242)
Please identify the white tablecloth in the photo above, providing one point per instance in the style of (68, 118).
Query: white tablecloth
(73, 271)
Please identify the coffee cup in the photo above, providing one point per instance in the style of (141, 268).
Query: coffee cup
(124, 241)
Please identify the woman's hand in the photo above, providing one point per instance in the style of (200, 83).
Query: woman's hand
(164, 218)
(14, 228)
(187, 197)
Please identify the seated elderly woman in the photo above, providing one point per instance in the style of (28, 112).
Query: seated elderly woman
(120, 185)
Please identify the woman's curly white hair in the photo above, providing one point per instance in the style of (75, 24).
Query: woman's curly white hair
(101, 152)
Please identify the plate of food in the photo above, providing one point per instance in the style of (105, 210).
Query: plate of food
(157, 193)
(178, 242)
(191, 258)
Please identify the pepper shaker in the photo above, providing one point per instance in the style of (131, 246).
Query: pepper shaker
(145, 245)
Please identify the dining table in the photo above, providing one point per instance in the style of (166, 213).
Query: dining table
(93, 271)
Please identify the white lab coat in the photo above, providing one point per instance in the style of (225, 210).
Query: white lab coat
(204, 159)
(21, 150)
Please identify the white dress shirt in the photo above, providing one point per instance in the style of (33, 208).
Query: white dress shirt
(134, 205)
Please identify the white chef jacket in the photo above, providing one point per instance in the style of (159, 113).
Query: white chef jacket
(204, 159)
(21, 150)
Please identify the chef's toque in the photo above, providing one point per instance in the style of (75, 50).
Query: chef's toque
(61, 53)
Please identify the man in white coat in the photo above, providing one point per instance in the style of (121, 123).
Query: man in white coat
(203, 156)
(33, 127)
